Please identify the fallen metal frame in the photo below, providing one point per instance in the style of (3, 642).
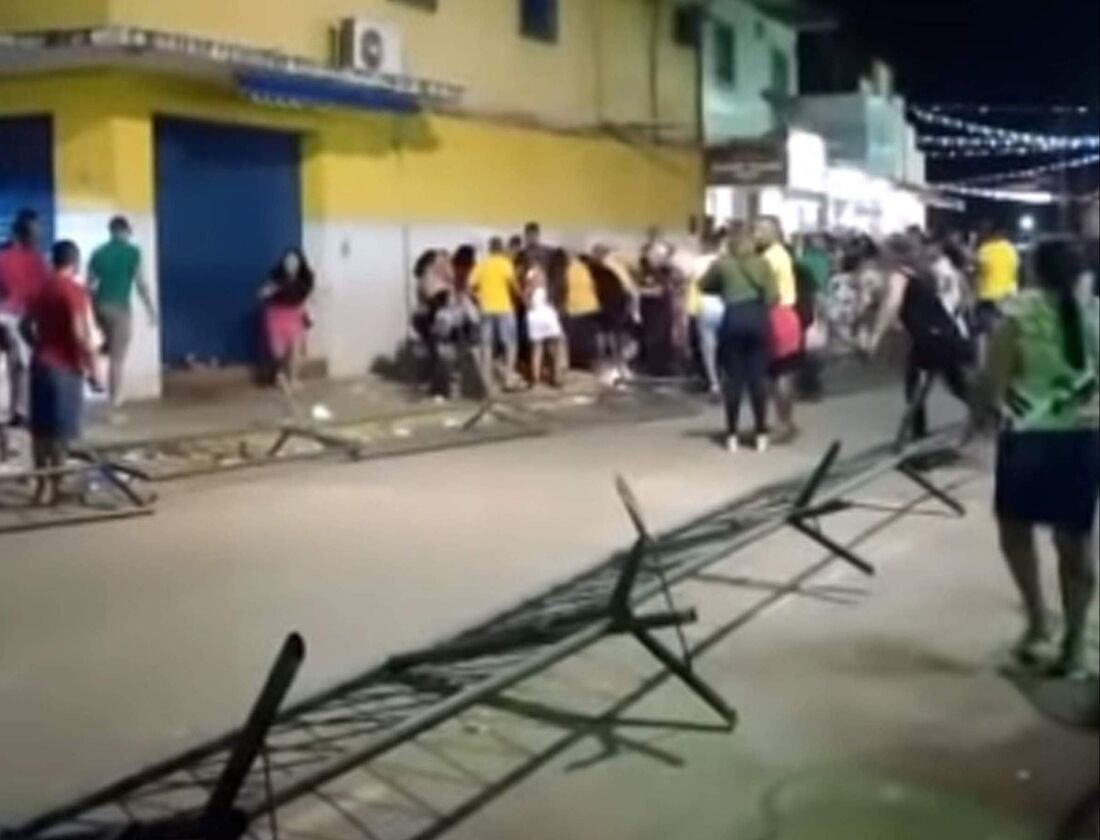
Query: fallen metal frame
(325, 737)
(120, 478)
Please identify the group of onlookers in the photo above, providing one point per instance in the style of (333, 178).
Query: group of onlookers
(530, 311)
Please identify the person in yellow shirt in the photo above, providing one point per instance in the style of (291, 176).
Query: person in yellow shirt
(582, 308)
(998, 277)
(787, 338)
(494, 283)
(769, 239)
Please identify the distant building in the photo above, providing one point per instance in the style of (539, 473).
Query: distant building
(841, 156)
(365, 130)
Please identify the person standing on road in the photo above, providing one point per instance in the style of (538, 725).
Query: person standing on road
(1042, 372)
(495, 284)
(57, 327)
(937, 347)
(285, 296)
(747, 286)
(785, 325)
(113, 273)
(23, 272)
(706, 310)
(997, 280)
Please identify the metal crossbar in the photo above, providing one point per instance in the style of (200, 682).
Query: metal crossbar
(124, 493)
(324, 737)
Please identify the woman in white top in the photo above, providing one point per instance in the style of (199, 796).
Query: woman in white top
(543, 329)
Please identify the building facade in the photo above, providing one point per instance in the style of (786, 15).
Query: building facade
(227, 132)
(834, 158)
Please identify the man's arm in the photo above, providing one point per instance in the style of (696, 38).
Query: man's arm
(1000, 364)
(145, 294)
(888, 312)
(82, 329)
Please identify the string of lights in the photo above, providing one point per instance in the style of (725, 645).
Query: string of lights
(989, 194)
(986, 108)
(1050, 144)
(1033, 171)
(957, 154)
(994, 135)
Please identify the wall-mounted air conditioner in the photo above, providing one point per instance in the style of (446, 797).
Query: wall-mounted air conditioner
(370, 47)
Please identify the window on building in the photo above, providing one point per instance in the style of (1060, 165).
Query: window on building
(426, 5)
(781, 72)
(725, 54)
(686, 23)
(538, 19)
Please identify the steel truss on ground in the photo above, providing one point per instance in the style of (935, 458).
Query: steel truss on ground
(109, 490)
(217, 790)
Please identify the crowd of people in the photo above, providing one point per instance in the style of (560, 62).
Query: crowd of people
(744, 312)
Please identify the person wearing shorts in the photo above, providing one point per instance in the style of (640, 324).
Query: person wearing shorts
(23, 271)
(494, 283)
(113, 273)
(57, 328)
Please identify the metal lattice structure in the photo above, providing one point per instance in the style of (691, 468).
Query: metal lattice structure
(104, 490)
(324, 737)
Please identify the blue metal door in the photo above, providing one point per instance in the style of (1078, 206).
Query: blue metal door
(228, 205)
(26, 172)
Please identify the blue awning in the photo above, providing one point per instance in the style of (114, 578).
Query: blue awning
(318, 92)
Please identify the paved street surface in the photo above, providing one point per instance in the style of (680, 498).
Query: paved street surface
(870, 708)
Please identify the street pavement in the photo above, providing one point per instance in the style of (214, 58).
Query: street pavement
(880, 701)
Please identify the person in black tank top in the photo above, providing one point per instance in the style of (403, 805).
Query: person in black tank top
(937, 347)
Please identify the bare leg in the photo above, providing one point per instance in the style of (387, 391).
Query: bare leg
(1018, 547)
(40, 449)
(114, 380)
(293, 365)
(559, 360)
(1077, 575)
(485, 363)
(511, 362)
(59, 453)
(538, 350)
(783, 397)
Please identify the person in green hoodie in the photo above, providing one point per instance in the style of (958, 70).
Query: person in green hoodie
(748, 289)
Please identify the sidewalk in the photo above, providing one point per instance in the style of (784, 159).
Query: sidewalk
(373, 399)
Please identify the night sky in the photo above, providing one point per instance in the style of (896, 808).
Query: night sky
(985, 50)
(995, 52)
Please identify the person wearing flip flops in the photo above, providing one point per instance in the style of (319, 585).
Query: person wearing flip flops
(1042, 373)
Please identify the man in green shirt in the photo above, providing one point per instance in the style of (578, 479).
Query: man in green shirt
(114, 271)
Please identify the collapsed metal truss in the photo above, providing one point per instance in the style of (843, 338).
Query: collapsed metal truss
(108, 490)
(215, 791)
(409, 433)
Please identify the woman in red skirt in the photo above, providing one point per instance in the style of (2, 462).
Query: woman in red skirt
(285, 296)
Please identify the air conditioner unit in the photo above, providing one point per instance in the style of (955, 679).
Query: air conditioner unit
(370, 47)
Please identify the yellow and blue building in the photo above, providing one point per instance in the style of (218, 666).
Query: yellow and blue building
(226, 133)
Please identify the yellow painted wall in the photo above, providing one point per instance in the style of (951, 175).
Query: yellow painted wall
(597, 71)
(443, 169)
(44, 14)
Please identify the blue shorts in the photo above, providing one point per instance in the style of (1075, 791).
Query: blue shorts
(57, 402)
(1049, 478)
(498, 329)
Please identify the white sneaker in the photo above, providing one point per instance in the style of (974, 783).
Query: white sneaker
(762, 443)
(732, 443)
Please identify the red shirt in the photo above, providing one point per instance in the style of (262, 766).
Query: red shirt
(23, 271)
(53, 312)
